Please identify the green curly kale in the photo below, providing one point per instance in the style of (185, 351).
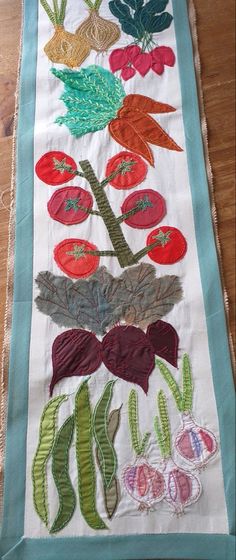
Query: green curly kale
(92, 96)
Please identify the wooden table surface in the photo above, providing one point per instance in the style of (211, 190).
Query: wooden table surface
(215, 22)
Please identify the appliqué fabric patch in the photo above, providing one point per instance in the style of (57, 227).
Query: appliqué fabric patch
(98, 32)
(64, 47)
(136, 297)
(128, 123)
(114, 434)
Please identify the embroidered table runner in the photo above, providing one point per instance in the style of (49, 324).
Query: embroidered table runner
(120, 407)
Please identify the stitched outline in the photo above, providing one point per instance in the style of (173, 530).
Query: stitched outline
(103, 440)
(51, 407)
(64, 472)
(83, 425)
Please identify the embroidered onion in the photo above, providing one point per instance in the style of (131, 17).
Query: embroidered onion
(99, 33)
(67, 48)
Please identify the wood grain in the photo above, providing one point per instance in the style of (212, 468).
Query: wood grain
(215, 26)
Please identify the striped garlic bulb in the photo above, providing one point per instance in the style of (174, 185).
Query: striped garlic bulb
(144, 483)
(98, 32)
(183, 488)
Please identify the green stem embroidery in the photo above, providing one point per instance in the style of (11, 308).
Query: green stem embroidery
(187, 400)
(60, 471)
(141, 205)
(121, 169)
(84, 456)
(57, 15)
(173, 386)
(120, 245)
(138, 443)
(182, 398)
(47, 432)
(122, 250)
(162, 426)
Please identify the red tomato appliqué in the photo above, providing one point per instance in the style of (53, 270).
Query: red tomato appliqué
(171, 247)
(64, 205)
(55, 168)
(71, 257)
(152, 209)
(135, 174)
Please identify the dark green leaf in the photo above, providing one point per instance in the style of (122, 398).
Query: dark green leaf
(134, 4)
(157, 24)
(119, 10)
(155, 6)
(131, 28)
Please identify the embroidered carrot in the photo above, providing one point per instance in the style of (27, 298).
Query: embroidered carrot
(95, 98)
(64, 47)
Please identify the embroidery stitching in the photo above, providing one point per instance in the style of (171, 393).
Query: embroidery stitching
(84, 456)
(47, 432)
(60, 472)
(64, 47)
(98, 32)
(95, 98)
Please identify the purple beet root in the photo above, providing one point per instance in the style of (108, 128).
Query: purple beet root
(164, 340)
(74, 352)
(127, 353)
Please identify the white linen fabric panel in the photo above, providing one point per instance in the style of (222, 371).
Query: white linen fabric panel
(170, 178)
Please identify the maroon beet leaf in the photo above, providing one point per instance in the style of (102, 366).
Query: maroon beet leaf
(74, 352)
(164, 340)
(128, 354)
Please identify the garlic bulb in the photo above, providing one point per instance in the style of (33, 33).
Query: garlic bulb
(99, 33)
(144, 483)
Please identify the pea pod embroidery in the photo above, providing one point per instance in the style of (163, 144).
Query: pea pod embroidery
(106, 452)
(60, 471)
(85, 461)
(47, 432)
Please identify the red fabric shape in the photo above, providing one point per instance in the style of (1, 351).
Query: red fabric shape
(149, 216)
(174, 249)
(75, 265)
(131, 178)
(45, 168)
(164, 340)
(74, 352)
(128, 354)
(61, 210)
(142, 63)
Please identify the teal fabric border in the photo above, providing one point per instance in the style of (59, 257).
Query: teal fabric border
(132, 547)
(14, 472)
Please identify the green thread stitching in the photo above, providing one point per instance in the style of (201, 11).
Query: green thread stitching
(107, 454)
(162, 426)
(92, 96)
(46, 439)
(139, 444)
(57, 15)
(60, 471)
(173, 386)
(184, 398)
(187, 400)
(84, 456)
